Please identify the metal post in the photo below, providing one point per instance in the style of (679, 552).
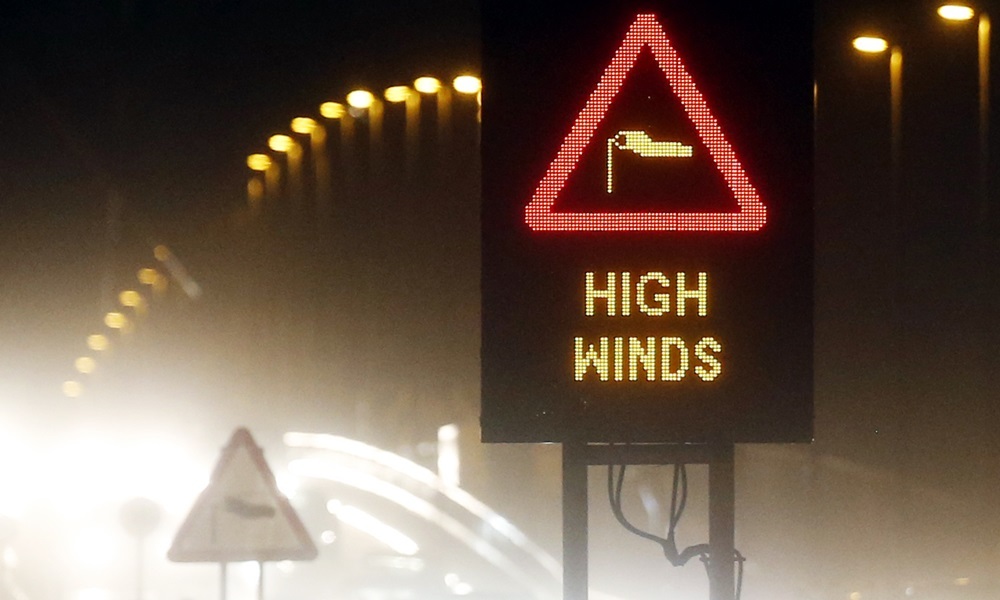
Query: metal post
(721, 522)
(260, 580)
(574, 489)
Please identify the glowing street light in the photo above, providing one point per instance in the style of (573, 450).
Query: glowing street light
(427, 85)
(360, 99)
(85, 365)
(317, 150)
(280, 143)
(116, 320)
(258, 162)
(304, 125)
(962, 13)
(397, 94)
(467, 84)
(877, 45)
(72, 389)
(956, 12)
(332, 110)
(97, 342)
(870, 44)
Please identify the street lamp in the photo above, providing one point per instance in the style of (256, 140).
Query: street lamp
(258, 163)
(317, 150)
(284, 144)
(962, 13)
(432, 85)
(363, 100)
(876, 45)
(467, 84)
(411, 98)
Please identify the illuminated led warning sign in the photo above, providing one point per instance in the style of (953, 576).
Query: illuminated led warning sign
(542, 212)
(647, 235)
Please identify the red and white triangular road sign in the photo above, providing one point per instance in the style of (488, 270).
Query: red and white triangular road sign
(540, 214)
(241, 515)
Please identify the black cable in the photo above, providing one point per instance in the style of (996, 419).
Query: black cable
(678, 502)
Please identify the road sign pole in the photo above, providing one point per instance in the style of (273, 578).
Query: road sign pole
(222, 580)
(574, 490)
(721, 521)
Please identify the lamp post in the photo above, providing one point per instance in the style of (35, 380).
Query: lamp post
(878, 45)
(411, 100)
(363, 100)
(961, 13)
(470, 85)
(293, 152)
(317, 151)
(432, 86)
(258, 163)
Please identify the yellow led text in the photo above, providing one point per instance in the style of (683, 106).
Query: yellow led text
(652, 294)
(646, 358)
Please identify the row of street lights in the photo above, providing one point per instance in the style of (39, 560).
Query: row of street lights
(132, 306)
(952, 13)
(358, 103)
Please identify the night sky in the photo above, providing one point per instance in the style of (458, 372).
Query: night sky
(126, 124)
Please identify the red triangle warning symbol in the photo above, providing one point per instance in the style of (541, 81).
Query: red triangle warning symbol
(241, 515)
(645, 32)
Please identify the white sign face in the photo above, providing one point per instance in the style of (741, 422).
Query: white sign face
(241, 515)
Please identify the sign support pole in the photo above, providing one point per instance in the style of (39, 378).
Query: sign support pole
(222, 580)
(260, 580)
(575, 539)
(721, 521)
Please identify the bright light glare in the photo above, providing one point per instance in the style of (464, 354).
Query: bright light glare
(467, 84)
(371, 525)
(360, 99)
(332, 110)
(412, 503)
(303, 125)
(280, 143)
(258, 162)
(427, 85)
(397, 93)
(92, 594)
(871, 45)
(98, 342)
(956, 12)
(456, 585)
(94, 548)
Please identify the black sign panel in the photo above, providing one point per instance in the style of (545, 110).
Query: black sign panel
(647, 223)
